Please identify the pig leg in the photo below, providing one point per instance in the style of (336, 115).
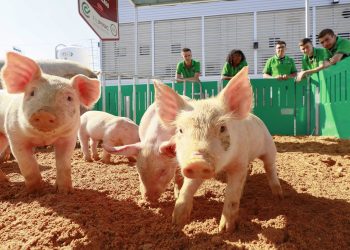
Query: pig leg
(184, 203)
(179, 179)
(3, 147)
(28, 165)
(233, 193)
(271, 172)
(94, 144)
(64, 149)
(106, 157)
(84, 143)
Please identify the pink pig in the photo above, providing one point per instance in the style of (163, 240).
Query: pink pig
(112, 130)
(215, 136)
(41, 110)
(155, 164)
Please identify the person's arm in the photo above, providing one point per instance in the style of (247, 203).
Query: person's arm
(195, 78)
(336, 58)
(225, 72)
(267, 70)
(225, 77)
(265, 75)
(306, 73)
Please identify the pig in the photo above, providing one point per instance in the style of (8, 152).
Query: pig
(112, 130)
(39, 110)
(155, 161)
(216, 137)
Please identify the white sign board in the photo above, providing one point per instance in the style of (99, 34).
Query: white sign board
(101, 16)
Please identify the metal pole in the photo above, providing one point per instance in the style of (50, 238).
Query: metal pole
(103, 79)
(255, 39)
(307, 33)
(136, 40)
(119, 96)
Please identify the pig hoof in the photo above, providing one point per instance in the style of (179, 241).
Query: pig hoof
(64, 189)
(3, 177)
(88, 159)
(277, 191)
(106, 161)
(131, 159)
(34, 186)
(96, 157)
(181, 214)
(227, 226)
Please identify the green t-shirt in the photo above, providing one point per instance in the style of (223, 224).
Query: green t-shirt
(342, 46)
(279, 66)
(188, 72)
(229, 70)
(319, 56)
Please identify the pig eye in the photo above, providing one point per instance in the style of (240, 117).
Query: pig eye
(222, 129)
(69, 98)
(32, 93)
(180, 130)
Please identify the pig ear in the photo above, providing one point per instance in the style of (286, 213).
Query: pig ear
(88, 89)
(127, 150)
(238, 94)
(168, 148)
(18, 71)
(168, 102)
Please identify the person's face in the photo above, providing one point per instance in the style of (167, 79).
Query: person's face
(281, 50)
(328, 41)
(236, 59)
(307, 49)
(187, 56)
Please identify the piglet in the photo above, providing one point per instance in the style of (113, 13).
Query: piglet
(39, 110)
(110, 129)
(214, 137)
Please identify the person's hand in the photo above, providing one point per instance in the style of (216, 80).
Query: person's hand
(279, 77)
(300, 76)
(285, 77)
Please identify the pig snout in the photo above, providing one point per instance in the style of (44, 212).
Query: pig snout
(44, 120)
(198, 167)
(149, 195)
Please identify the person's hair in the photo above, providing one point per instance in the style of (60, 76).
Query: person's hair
(304, 41)
(326, 32)
(186, 50)
(234, 52)
(280, 42)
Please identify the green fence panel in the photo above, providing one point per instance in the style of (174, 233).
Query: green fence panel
(274, 102)
(209, 88)
(334, 116)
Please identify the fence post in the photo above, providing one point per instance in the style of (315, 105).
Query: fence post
(317, 110)
(103, 92)
(184, 88)
(134, 99)
(308, 104)
(147, 94)
(119, 96)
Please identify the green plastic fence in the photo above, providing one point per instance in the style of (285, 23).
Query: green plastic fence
(334, 107)
(274, 101)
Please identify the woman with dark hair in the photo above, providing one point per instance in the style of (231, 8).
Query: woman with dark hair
(235, 61)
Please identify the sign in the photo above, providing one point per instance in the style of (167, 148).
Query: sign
(101, 16)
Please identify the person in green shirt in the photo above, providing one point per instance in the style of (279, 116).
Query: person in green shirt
(280, 66)
(235, 61)
(314, 59)
(188, 69)
(338, 48)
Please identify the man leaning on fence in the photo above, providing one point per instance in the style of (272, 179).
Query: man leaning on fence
(188, 69)
(314, 59)
(280, 66)
(338, 48)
